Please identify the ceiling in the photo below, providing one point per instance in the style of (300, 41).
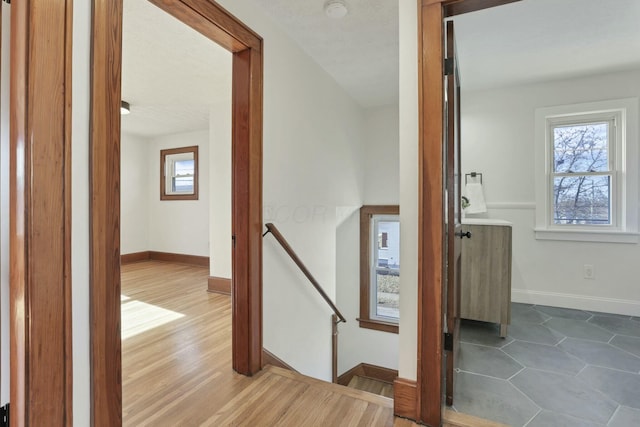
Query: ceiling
(170, 88)
(171, 74)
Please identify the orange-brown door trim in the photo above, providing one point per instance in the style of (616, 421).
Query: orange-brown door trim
(40, 213)
(213, 21)
(431, 231)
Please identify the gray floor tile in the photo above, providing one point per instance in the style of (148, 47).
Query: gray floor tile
(601, 354)
(482, 333)
(625, 417)
(579, 329)
(525, 313)
(564, 394)
(567, 313)
(553, 419)
(534, 333)
(545, 357)
(487, 361)
(617, 325)
(623, 387)
(630, 344)
(492, 399)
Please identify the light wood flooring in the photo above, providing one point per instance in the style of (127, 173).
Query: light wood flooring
(176, 364)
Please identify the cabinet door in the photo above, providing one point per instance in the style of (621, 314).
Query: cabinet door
(486, 274)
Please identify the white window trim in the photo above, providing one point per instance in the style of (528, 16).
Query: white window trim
(373, 262)
(625, 228)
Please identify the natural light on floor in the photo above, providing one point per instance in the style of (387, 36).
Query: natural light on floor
(138, 316)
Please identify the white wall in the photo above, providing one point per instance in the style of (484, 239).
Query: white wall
(4, 207)
(220, 187)
(407, 364)
(135, 193)
(179, 226)
(382, 156)
(498, 140)
(381, 187)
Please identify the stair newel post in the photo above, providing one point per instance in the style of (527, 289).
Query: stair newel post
(334, 348)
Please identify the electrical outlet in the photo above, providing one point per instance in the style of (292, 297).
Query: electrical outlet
(588, 271)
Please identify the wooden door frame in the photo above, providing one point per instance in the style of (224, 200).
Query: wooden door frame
(216, 23)
(431, 231)
(40, 213)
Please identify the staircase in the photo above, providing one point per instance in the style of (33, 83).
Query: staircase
(371, 385)
(279, 397)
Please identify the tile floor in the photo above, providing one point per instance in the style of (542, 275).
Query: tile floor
(556, 367)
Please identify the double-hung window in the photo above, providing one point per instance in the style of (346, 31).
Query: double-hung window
(587, 172)
(179, 173)
(379, 268)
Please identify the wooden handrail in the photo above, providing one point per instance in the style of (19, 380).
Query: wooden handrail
(287, 248)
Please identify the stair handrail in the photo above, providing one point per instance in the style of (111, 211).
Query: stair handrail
(289, 250)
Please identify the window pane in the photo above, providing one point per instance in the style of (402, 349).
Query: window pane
(183, 167)
(581, 148)
(582, 199)
(182, 184)
(388, 270)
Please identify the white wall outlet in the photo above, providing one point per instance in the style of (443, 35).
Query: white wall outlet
(588, 271)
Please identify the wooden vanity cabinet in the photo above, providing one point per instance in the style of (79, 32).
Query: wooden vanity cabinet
(486, 275)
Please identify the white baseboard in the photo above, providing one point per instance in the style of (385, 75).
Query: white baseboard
(580, 302)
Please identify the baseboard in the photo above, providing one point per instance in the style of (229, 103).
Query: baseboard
(219, 285)
(580, 302)
(366, 370)
(134, 257)
(405, 398)
(200, 261)
(269, 358)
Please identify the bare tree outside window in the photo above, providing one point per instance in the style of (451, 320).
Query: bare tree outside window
(582, 177)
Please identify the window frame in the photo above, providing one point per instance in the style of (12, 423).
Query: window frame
(164, 194)
(623, 169)
(366, 296)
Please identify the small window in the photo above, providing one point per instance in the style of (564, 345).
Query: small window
(179, 174)
(380, 268)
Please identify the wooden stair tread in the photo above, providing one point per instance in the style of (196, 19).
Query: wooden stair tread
(371, 385)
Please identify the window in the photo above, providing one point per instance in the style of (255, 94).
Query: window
(587, 177)
(179, 174)
(380, 268)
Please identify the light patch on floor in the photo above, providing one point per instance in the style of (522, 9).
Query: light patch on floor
(124, 298)
(139, 317)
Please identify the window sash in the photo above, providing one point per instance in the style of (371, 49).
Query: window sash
(374, 252)
(612, 161)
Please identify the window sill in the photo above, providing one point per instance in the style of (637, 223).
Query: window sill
(378, 325)
(601, 236)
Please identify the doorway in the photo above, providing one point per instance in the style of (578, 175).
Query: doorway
(217, 24)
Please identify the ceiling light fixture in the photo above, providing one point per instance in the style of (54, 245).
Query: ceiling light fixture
(336, 9)
(125, 108)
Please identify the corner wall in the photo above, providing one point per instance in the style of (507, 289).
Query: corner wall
(381, 187)
(312, 146)
(134, 194)
(179, 226)
(498, 140)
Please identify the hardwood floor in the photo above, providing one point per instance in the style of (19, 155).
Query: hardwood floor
(176, 364)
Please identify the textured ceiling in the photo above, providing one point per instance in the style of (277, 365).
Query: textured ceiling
(537, 40)
(171, 74)
(360, 51)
